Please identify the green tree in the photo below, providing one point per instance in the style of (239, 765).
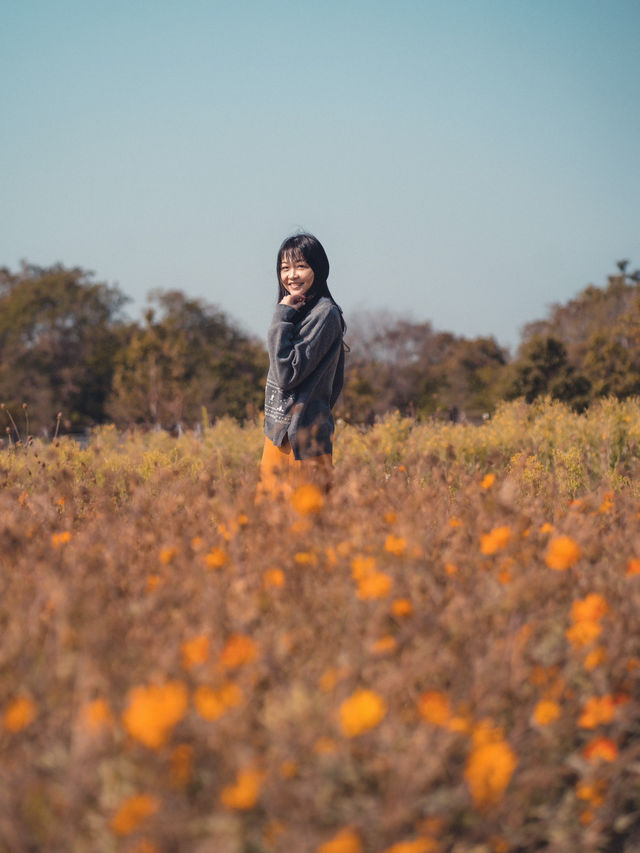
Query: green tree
(59, 332)
(187, 355)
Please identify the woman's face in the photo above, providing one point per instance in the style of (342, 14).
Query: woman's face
(296, 275)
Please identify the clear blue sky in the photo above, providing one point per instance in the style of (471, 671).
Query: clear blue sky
(466, 163)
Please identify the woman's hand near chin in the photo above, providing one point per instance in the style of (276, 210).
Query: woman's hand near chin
(293, 301)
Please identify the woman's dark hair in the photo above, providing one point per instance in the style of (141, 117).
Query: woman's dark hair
(309, 248)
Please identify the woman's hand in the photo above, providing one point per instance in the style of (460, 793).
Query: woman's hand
(293, 301)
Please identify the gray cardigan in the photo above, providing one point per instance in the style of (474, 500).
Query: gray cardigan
(306, 372)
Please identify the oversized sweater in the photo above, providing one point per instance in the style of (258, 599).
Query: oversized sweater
(306, 373)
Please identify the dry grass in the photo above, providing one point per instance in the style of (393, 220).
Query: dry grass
(445, 654)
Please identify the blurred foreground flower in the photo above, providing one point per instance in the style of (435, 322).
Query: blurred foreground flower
(362, 711)
(153, 710)
(239, 649)
(562, 553)
(133, 811)
(495, 540)
(19, 714)
(212, 704)
(346, 841)
(489, 768)
(307, 499)
(244, 793)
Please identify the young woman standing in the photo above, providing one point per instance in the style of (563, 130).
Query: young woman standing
(306, 370)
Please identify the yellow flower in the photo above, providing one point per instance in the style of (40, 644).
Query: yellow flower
(488, 771)
(307, 499)
(244, 793)
(19, 714)
(545, 712)
(346, 841)
(562, 553)
(496, 540)
(133, 811)
(239, 649)
(374, 585)
(395, 545)
(153, 710)
(195, 651)
(211, 704)
(488, 480)
(216, 558)
(362, 711)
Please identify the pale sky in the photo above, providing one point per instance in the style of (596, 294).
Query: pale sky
(466, 163)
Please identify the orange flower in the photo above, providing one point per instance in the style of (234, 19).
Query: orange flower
(390, 517)
(562, 553)
(325, 746)
(385, 644)
(488, 480)
(19, 714)
(59, 539)
(212, 704)
(583, 633)
(362, 711)
(633, 567)
(547, 528)
(96, 716)
(362, 566)
(239, 649)
(591, 608)
(306, 558)
(454, 522)
(496, 540)
(488, 771)
(307, 499)
(181, 765)
(419, 845)
(273, 578)
(395, 545)
(153, 710)
(133, 811)
(168, 554)
(598, 710)
(592, 792)
(244, 793)
(594, 658)
(451, 569)
(601, 749)
(374, 585)
(346, 841)
(216, 558)
(153, 580)
(401, 607)
(434, 707)
(545, 712)
(195, 652)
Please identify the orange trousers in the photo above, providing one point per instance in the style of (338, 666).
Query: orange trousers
(281, 472)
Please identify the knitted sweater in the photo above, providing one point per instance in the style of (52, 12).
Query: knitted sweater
(306, 372)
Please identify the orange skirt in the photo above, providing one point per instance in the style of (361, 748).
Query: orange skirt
(281, 472)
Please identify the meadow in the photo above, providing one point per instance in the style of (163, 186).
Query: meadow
(442, 654)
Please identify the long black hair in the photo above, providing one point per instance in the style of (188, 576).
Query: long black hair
(309, 248)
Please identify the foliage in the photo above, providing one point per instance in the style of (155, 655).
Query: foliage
(440, 655)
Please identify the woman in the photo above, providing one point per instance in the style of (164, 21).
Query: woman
(306, 370)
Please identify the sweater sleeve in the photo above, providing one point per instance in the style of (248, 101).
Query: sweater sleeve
(296, 352)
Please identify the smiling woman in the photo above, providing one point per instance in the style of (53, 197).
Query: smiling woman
(306, 370)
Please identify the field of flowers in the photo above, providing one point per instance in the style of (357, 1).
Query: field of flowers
(443, 654)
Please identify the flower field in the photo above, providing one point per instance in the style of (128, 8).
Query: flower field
(443, 654)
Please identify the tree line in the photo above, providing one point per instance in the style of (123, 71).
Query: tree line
(68, 348)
